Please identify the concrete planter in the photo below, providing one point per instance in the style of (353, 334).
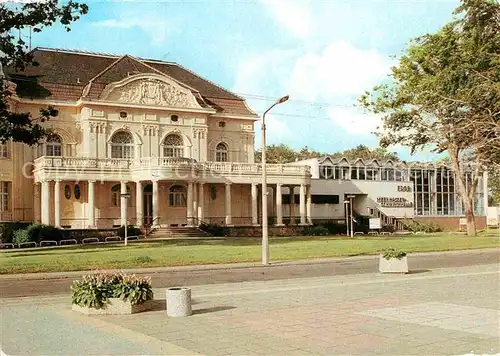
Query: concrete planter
(115, 306)
(179, 302)
(393, 265)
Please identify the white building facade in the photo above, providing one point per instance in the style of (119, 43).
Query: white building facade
(390, 189)
(142, 142)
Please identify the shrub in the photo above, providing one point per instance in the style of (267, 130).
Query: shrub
(21, 236)
(215, 230)
(317, 230)
(131, 231)
(8, 229)
(94, 290)
(38, 232)
(416, 226)
(393, 253)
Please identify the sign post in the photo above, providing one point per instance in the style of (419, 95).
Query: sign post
(462, 222)
(375, 224)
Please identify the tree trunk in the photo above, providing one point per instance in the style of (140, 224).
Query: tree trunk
(471, 221)
(467, 195)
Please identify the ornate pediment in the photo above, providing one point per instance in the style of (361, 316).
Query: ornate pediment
(150, 90)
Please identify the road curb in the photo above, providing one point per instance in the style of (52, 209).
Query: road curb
(173, 269)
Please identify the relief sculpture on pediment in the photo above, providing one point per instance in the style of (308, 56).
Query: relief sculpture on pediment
(151, 92)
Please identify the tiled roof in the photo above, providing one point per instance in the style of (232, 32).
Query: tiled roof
(62, 75)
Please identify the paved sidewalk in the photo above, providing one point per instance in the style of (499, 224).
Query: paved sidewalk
(452, 311)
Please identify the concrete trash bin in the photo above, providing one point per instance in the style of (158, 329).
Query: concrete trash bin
(179, 301)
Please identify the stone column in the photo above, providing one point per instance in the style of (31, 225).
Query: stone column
(91, 204)
(57, 203)
(302, 204)
(139, 205)
(195, 205)
(201, 202)
(309, 205)
(123, 204)
(37, 203)
(228, 205)
(156, 211)
(279, 206)
(255, 221)
(190, 204)
(292, 205)
(45, 202)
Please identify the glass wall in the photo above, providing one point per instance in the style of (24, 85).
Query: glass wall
(435, 189)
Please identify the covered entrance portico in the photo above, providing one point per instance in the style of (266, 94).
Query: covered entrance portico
(181, 193)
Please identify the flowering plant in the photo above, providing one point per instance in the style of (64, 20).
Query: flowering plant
(93, 290)
(393, 253)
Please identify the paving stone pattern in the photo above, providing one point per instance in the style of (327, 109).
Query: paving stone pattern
(438, 312)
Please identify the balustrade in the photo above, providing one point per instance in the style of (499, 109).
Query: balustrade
(167, 162)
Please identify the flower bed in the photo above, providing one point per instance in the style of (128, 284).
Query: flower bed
(111, 293)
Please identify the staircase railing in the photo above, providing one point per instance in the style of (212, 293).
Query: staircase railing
(149, 228)
(396, 223)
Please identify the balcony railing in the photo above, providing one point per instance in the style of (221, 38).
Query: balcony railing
(77, 163)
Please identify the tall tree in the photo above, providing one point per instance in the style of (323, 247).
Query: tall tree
(435, 97)
(494, 186)
(36, 15)
(364, 152)
(284, 154)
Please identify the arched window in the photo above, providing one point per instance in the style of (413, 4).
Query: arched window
(53, 145)
(221, 152)
(177, 196)
(122, 145)
(173, 146)
(115, 196)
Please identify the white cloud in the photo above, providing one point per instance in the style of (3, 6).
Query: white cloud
(277, 131)
(260, 73)
(339, 70)
(156, 28)
(293, 15)
(338, 74)
(354, 121)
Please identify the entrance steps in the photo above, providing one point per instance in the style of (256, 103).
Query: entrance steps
(178, 232)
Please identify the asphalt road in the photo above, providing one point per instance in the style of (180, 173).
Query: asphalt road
(417, 264)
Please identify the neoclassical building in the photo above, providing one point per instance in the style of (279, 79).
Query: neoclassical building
(141, 141)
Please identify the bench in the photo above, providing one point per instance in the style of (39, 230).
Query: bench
(68, 242)
(7, 245)
(359, 233)
(90, 240)
(48, 243)
(385, 233)
(27, 244)
(112, 238)
(133, 237)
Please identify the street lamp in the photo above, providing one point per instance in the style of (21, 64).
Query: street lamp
(265, 239)
(351, 220)
(126, 196)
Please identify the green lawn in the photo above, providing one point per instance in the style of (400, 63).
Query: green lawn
(190, 252)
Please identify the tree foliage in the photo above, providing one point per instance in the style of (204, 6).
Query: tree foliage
(445, 93)
(284, 154)
(21, 127)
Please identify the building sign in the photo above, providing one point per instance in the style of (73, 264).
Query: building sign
(404, 188)
(394, 202)
(375, 223)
